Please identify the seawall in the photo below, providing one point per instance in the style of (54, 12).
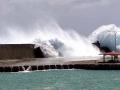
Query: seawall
(25, 57)
(58, 66)
(19, 51)
(45, 64)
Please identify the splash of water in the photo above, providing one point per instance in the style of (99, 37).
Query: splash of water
(54, 41)
(64, 43)
(108, 36)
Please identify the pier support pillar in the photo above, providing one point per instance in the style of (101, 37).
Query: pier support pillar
(103, 58)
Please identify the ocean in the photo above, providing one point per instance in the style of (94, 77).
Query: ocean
(61, 80)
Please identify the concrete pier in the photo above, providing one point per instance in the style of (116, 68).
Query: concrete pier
(25, 57)
(46, 64)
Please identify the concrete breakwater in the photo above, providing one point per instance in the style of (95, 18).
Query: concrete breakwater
(34, 64)
(19, 51)
(90, 66)
(24, 57)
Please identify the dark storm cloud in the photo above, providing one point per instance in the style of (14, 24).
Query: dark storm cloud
(81, 15)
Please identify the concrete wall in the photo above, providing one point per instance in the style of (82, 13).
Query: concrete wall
(16, 51)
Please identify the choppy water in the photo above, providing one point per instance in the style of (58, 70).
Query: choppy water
(61, 80)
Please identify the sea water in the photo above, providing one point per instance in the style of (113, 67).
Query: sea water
(61, 80)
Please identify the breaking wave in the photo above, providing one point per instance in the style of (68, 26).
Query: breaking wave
(57, 42)
(108, 36)
(54, 41)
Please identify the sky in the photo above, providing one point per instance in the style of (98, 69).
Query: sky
(84, 16)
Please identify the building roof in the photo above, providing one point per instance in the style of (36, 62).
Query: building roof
(111, 53)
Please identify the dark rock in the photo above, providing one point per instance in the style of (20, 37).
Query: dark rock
(102, 48)
(38, 53)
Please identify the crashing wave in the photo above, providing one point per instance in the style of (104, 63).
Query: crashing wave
(47, 49)
(108, 36)
(65, 43)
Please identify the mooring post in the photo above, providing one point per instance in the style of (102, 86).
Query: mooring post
(103, 58)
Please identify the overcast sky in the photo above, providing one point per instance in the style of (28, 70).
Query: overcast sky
(83, 16)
